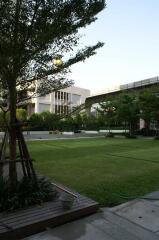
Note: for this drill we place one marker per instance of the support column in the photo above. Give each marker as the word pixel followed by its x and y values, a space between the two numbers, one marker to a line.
pixel 37 105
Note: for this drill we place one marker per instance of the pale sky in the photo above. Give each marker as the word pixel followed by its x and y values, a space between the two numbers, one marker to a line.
pixel 130 30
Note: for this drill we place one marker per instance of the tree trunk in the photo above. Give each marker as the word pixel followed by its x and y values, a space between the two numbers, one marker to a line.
pixel 130 128
pixel 12 138
pixel 147 125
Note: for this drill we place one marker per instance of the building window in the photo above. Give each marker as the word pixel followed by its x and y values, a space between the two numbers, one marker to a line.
pixel 62 109
pixel 44 107
pixel 55 108
pixel 65 109
pixel 59 95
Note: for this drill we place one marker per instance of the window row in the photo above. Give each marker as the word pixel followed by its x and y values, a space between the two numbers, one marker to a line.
pixel 60 109
pixel 61 95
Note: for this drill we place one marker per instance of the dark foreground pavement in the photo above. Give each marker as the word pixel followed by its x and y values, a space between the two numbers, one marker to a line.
pixel 135 220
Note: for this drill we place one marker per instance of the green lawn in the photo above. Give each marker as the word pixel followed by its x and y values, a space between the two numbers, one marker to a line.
pixel 102 169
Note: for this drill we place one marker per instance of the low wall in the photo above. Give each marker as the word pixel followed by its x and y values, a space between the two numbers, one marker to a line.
pixel 68 133
pixel 72 133
pixel 91 132
pixel 114 131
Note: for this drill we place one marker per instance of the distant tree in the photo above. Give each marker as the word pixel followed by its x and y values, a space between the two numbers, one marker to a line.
pixel 67 124
pixel 127 110
pixel 33 33
pixel 107 111
pixel 149 106
pixel 77 122
pixel 50 120
pixel 35 122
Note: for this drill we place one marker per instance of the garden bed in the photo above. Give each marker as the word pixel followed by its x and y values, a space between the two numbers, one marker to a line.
pixel 22 223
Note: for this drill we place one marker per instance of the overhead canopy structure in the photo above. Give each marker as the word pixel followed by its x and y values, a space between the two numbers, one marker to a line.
pixel 150 83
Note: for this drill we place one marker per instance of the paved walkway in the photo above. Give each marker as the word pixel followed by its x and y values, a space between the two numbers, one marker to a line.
pixel 135 220
pixel 42 136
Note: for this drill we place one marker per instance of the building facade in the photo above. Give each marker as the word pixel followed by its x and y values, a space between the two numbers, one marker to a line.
pixel 60 102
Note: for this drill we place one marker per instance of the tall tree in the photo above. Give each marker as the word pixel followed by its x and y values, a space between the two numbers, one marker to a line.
pixel 149 105
pixel 32 34
pixel 127 110
pixel 107 111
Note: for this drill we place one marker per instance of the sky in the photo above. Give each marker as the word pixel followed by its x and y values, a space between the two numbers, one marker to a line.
pixel 130 31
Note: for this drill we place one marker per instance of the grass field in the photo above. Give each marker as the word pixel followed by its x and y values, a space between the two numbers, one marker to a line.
pixel 103 169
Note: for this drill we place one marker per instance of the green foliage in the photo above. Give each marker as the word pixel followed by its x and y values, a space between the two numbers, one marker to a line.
pixel 44 121
pixel 21 114
pixel 128 110
pixel 149 105
pixel 2 121
pixel 36 122
pixel 90 122
pixel 50 120
pixel 129 135
pixel 33 34
pixel 107 111
pixel 156 138
pixel 28 192
pixel 109 135
pixel 78 122
pixel 66 124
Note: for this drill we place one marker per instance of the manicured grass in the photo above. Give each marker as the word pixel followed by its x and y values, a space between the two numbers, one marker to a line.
pixel 102 169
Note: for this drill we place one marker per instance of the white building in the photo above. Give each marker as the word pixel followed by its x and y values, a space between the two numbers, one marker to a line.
pixel 60 102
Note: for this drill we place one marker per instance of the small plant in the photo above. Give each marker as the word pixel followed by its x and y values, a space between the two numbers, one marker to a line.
pixel 109 135
pixel 56 132
pixel 128 135
pixel 27 193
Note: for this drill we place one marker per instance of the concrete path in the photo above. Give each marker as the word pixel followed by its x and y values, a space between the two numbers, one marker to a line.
pixel 60 136
pixel 135 220
pixel 41 137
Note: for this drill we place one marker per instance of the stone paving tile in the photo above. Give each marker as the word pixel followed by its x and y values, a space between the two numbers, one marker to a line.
pixel 143 212
pixel 80 229
pixel 129 226
pixel 135 220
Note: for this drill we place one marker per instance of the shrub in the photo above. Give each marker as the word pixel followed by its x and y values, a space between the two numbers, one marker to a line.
pixel 36 122
pixel 146 132
pixel 21 114
pixel 28 192
pixel 109 135
pixel 128 135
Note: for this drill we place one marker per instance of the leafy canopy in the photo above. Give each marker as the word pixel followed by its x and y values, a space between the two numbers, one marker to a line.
pixel 35 32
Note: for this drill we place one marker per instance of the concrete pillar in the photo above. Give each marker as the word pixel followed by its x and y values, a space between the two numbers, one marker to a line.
pixel 51 102
pixel 142 123
pixel 37 105
pixel 71 101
